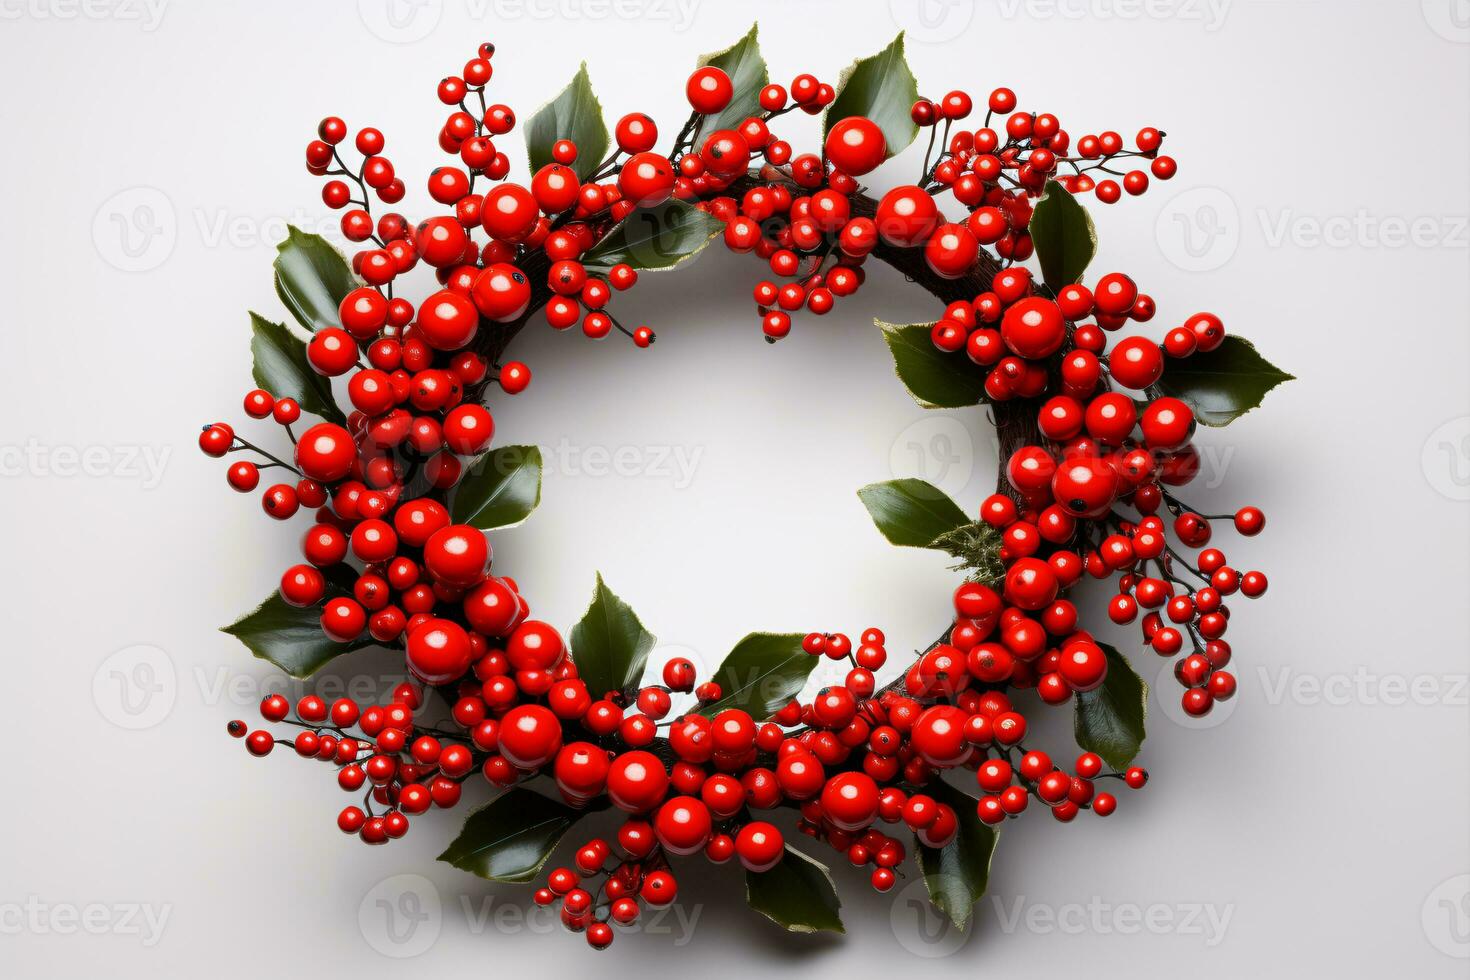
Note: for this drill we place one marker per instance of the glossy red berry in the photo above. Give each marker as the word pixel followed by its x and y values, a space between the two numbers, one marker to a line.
pixel 855 145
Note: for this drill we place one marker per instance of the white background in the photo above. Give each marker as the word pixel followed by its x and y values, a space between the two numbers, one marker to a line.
pixel 150 158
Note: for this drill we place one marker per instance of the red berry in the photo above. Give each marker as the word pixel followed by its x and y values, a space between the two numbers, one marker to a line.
pixel 709 90
pixel 637 781
pixel 439 651
pixel 856 146
pixel 457 555
pixel 530 736
pixel 906 216
pixel 760 846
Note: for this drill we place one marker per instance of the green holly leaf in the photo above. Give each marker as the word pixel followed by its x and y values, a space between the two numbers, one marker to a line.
pixel 289 636
pixel 312 279
pixel 883 89
pixel 912 512
pixel 1223 384
pixel 797 894
pixel 958 873
pixel 280 367
pixel 610 644
pixel 1109 719
pixel 574 115
pixel 934 378
pixel 499 489
pixel 655 239
pixel 762 673
pixel 742 61
pixel 510 838
pixel 1063 235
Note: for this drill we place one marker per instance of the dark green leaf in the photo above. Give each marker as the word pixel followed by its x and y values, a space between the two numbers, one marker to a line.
pixel 1223 384
pixel 501 488
pixel 796 894
pixel 958 872
pixel 289 637
pixel 935 378
pixel 610 644
pixel 762 673
pixel 1109 719
pixel 1062 232
pixel 911 512
pixel 312 278
pixel 655 239
pixel 510 838
pixel 881 88
pixel 280 368
pixel 742 61
pixel 574 115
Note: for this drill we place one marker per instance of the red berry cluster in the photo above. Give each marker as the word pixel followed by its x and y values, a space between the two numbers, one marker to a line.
pixel 384 559
pixel 1099 448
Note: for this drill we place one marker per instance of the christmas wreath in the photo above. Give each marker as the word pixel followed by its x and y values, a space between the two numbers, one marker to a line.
pixel 404 484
